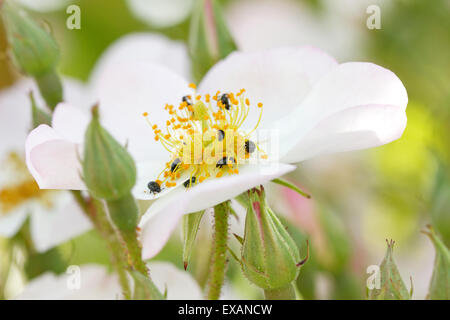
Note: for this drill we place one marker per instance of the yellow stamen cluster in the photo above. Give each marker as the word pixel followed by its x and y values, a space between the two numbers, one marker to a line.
pixel 204 138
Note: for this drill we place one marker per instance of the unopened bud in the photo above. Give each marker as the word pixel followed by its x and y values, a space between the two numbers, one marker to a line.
pixel 108 169
pixel 270 256
pixel 209 37
pixel 33 49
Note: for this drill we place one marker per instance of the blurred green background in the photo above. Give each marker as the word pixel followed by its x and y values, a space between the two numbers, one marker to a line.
pixel 387 192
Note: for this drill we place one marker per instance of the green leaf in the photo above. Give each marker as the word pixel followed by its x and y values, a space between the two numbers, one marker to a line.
pixel 392 286
pixel 440 280
pixel 144 288
pixel 209 38
pixel 191 223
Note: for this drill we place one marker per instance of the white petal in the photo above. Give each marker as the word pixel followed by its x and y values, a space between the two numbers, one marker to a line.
pixel 70 122
pixel 55 225
pixel 279 78
pixel 347 86
pixel 129 90
pixel 10 222
pixel 163 215
pixel 352 129
pixel 95 284
pixel 161 13
pixel 15 110
pixel 179 284
pixel 149 171
pixel 15 116
pixel 146 48
pixel 52 160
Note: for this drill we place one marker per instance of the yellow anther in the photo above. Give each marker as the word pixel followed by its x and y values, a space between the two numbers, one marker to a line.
pixel 192 86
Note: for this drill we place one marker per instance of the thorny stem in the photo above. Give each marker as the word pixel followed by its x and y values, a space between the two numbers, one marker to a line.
pixel 95 211
pixel 219 255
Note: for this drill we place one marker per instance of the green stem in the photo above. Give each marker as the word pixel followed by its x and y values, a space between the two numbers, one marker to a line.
pixel 219 256
pixel 50 87
pixel 286 293
pixel 95 211
pixel 124 213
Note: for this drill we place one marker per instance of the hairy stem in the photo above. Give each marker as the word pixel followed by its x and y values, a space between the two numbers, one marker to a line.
pixel 286 293
pixel 95 210
pixel 124 213
pixel 219 255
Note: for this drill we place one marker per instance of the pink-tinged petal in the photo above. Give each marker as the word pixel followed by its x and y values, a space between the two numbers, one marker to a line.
pixel 347 86
pixel 162 216
pixel 10 222
pixel 52 160
pixel 180 285
pixel 61 222
pixel 356 128
pixel 279 78
pixel 146 48
pixel 70 122
pixel 126 92
pixel 94 280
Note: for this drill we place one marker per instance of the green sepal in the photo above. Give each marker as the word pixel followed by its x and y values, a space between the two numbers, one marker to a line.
pixel 269 254
pixel 291 186
pixel 440 280
pixel 109 171
pixel 392 286
pixel 191 223
pixel 144 288
pixel 209 37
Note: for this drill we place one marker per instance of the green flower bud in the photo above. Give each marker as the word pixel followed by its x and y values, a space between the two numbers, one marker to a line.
pixel 108 169
pixel 209 38
pixel 391 286
pixel 33 49
pixel 270 257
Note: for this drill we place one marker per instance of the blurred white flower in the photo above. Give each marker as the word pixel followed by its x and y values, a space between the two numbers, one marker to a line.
pixel 97 284
pixel 161 13
pixel 337 27
pixel 54 215
pixel 318 106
